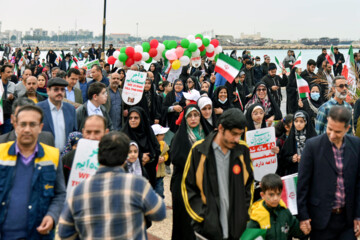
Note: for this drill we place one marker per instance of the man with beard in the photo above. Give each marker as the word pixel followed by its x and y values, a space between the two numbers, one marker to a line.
pixel 340 88
pixel 258 71
pixel 114 104
pixel 309 73
pixel 20 88
pixel 217 184
pixel 31 85
pixel 326 75
pixel 321 58
pixel 339 60
pixel 275 82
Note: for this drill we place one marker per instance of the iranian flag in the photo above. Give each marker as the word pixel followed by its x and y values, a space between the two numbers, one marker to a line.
pixel 16 70
pixel 73 64
pixel 167 67
pixel 227 67
pixel 298 60
pixel 279 63
pixel 21 60
pixel 349 71
pixel 75 59
pixel 303 86
pixel 330 57
pixel 288 194
pixel 253 234
pixel 238 95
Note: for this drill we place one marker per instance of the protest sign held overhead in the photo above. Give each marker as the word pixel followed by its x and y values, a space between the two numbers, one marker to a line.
pixel 134 87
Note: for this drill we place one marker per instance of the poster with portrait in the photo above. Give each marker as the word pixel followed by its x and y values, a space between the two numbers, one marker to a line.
pixel 260 143
pixel 85 163
pixel 134 87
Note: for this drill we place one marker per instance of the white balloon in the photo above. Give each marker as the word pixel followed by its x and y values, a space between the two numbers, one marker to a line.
pixel 218 50
pixel 138 48
pixel 184 60
pixel 158 56
pixel 198 42
pixel 145 56
pixel 161 47
pixel 191 38
pixel 118 64
pixel 116 54
pixel 212 58
pixel 196 53
pixel 210 48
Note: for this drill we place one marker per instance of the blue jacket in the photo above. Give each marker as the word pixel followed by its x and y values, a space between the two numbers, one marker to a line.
pixel 220 80
pixel 48 186
pixel 69 117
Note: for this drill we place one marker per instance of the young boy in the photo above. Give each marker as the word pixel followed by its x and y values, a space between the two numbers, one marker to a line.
pixel 271 213
pixel 159 132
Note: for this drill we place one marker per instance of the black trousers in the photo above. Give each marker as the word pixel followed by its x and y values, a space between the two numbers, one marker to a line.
pixel 337 229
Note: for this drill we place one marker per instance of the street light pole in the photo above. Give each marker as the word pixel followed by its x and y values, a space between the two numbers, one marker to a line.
pixel 103 37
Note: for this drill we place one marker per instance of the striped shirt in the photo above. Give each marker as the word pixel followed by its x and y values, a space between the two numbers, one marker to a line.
pixel 340 187
pixel 110 205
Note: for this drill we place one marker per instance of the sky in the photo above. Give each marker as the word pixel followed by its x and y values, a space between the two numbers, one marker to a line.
pixel 277 19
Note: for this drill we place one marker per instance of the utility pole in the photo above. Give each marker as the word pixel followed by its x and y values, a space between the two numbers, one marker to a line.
pixel 104 28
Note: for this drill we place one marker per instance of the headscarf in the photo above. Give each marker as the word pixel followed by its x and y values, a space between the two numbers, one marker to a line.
pixel 122 81
pixel 73 139
pixel 250 121
pixel 178 95
pixel 196 133
pixel 269 105
pixel 181 143
pixel 196 84
pixel 217 103
pixel 209 124
pixel 135 167
pixel 314 105
pixel 294 144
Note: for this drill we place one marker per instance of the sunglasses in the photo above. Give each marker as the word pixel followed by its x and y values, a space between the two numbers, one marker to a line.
pixel 342 86
pixel 261 90
pixel 57 89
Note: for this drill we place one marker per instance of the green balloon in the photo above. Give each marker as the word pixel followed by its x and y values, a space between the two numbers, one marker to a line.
pixel 192 47
pixel 166 43
pixel 185 43
pixel 123 57
pixel 187 53
pixel 163 53
pixel 216 57
pixel 172 44
pixel 206 42
pixel 203 52
pixel 122 50
pixel 199 35
pixel 149 60
pixel 146 46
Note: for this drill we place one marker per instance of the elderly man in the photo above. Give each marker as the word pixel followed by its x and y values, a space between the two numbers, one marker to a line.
pixel 111 204
pixel 31 85
pixel 114 104
pixel 33 193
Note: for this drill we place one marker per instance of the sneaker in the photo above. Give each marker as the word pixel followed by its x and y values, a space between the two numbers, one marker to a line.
pixel 168 170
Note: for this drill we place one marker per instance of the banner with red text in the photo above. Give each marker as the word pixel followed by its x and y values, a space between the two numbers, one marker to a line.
pixel 134 87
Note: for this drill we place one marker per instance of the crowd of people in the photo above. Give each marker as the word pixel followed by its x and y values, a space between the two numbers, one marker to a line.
pixel 197 125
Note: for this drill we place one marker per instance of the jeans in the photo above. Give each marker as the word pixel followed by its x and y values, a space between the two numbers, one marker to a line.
pixel 159 186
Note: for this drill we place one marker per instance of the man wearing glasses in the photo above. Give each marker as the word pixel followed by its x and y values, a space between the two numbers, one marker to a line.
pixel 60 117
pixel 340 88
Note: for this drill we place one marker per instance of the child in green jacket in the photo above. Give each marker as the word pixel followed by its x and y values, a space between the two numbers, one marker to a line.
pixel 271 213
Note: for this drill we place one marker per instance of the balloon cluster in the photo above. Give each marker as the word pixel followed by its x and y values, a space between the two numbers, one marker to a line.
pixel 177 55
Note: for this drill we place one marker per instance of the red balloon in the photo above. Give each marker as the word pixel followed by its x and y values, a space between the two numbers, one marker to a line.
pixel 130 52
pixel 129 62
pixel 215 43
pixel 154 43
pixel 202 48
pixel 153 52
pixel 137 56
pixel 198 38
pixel 111 60
pixel 210 54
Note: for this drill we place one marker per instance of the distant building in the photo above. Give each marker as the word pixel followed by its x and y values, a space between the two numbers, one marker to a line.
pixel 225 39
pixel 119 36
pixel 39 32
pixel 11 36
pixel 251 36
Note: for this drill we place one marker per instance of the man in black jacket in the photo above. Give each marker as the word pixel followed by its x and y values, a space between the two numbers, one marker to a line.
pixel 339 60
pixel 249 74
pixel 217 185
pixel 92 52
pixel 265 65
pixel 274 82
pixel 309 73
pixel 321 58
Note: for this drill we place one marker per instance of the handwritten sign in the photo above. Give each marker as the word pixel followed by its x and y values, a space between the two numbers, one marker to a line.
pixel 134 87
pixel 260 142
pixel 85 162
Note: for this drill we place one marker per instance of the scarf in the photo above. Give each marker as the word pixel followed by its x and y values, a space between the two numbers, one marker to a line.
pixel 135 167
pixel 300 138
pixel 195 134
pixel 266 103
pixel 178 96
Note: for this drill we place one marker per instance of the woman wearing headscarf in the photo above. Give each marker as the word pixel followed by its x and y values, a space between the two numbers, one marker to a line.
pixel 157 76
pixel 122 74
pixel 185 73
pixel 292 93
pixel 221 100
pixel 311 105
pixel 192 83
pixel 255 117
pixel 173 106
pixel 207 112
pixel 300 132
pixel 190 131
pixel 262 95
pixel 238 89
pixel 42 84
pixel 138 129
